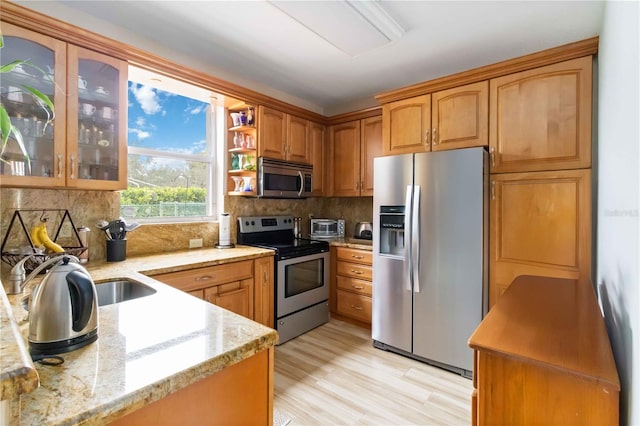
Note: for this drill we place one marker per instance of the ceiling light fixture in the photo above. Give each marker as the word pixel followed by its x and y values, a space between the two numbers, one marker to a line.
pixel 352 26
pixel 378 17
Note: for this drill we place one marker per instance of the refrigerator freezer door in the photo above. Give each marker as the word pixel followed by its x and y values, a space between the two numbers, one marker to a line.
pixel 448 305
pixel 392 295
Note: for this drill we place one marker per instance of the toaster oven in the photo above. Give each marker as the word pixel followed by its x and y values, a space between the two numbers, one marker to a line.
pixel 327 228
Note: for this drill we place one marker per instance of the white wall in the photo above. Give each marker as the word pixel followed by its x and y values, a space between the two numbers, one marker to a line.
pixel 618 177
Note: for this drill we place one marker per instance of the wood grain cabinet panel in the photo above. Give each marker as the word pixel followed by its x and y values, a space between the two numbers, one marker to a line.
pixel 282 136
pixel 353 146
pixel 272 131
pixel 406 126
pixel 264 291
pixel 345 141
pixel 543 357
pixel 370 148
pixel 297 146
pixel 540 224
pixel 541 119
pixel 351 284
pixel 460 117
pixel 317 148
pixel 231 286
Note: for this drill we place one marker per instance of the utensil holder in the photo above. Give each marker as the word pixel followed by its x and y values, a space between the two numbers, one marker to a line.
pixel 116 250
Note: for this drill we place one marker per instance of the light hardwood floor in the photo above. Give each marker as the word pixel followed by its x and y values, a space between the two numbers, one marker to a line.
pixel 334 376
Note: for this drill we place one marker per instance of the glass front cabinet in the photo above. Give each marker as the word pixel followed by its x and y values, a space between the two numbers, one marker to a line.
pixel 85 145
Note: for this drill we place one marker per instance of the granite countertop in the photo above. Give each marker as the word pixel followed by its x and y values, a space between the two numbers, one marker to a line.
pixel 355 243
pixel 147 348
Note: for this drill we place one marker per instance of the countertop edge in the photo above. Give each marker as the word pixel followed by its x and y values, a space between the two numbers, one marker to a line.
pixel 23 377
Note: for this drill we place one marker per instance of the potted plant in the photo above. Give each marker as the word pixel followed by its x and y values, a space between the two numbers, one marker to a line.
pixel 7 130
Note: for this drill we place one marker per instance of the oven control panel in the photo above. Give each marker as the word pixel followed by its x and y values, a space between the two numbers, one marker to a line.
pixel 249 224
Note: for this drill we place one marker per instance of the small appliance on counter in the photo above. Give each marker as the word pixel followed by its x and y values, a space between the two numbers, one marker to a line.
pixel 63 308
pixel 326 229
pixel 224 231
pixel 363 231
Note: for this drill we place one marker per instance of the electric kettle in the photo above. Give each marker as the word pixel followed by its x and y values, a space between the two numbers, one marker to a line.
pixel 63 310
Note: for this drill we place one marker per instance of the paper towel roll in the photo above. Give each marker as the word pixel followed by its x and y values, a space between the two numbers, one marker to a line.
pixel 224 232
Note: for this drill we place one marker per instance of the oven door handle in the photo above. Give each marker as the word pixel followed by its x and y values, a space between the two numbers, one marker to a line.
pixel 301 183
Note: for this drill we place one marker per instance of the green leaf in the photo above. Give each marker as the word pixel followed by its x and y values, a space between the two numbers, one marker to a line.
pixel 5 125
pixel 18 136
pixel 1 41
pixel 38 94
pixel 11 65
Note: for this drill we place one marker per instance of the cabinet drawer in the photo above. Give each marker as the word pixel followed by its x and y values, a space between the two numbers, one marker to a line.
pixel 354 255
pixel 194 279
pixel 354 285
pixel 234 297
pixel 354 270
pixel 354 306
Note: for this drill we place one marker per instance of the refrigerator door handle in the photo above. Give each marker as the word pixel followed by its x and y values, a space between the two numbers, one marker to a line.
pixel 415 238
pixel 408 261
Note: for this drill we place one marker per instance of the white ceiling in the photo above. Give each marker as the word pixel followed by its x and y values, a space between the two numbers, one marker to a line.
pixel 258 42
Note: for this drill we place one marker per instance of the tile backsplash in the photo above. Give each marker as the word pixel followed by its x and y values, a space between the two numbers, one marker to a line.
pixel 87 207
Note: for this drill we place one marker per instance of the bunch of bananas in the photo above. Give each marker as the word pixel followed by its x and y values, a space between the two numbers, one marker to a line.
pixel 40 237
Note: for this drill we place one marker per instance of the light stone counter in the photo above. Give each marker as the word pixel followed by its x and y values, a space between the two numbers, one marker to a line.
pixel 355 243
pixel 147 348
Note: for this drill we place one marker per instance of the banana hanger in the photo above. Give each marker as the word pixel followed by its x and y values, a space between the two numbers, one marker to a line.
pixel 18 218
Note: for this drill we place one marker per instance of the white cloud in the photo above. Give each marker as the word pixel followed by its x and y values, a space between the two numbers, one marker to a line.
pixel 195 110
pixel 147 97
pixel 141 134
pixel 141 122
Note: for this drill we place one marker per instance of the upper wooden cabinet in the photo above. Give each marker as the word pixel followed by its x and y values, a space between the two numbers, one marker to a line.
pixel 297 145
pixel 540 224
pixel 460 117
pixel 370 148
pixel 282 136
pixel 317 150
pixel 86 145
pixel 272 131
pixel 406 126
pixel 354 145
pixel 541 118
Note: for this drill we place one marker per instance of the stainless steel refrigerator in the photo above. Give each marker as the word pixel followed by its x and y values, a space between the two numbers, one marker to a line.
pixel 430 254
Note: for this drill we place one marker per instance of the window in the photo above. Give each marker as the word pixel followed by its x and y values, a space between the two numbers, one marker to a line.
pixel 172 150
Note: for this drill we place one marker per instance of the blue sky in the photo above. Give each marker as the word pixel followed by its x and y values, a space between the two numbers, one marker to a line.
pixel 165 121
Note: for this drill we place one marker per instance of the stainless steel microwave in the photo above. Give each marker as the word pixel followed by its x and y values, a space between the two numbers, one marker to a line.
pixel 284 179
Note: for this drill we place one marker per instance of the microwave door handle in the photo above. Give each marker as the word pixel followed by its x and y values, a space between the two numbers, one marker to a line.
pixel 301 183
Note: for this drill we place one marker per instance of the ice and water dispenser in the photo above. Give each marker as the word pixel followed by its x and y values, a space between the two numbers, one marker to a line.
pixel 392 230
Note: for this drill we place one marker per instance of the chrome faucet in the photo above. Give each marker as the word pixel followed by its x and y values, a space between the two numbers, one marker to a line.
pixel 17 277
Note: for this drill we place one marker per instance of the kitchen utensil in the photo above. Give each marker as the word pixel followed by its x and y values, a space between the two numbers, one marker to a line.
pixel 116 229
pixel 83 235
pixel 363 230
pixel 63 310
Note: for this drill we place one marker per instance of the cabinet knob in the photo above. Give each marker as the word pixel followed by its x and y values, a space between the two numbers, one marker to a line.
pixel 426 137
pixel 357 308
pixel 357 257
pixel 435 136
pixel 493 189
pixel 356 272
pixel 357 287
pixel 492 154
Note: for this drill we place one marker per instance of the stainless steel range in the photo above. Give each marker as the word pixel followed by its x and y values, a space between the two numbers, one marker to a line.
pixel 301 273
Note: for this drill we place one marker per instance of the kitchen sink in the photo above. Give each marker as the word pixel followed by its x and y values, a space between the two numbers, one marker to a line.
pixel 117 291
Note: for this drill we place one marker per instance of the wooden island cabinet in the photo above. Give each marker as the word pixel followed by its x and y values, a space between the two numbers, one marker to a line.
pixel 542 356
pixel 244 287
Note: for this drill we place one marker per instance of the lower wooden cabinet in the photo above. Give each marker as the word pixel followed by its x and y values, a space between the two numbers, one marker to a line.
pixel 245 287
pixel 351 280
pixel 241 394
pixel 542 356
